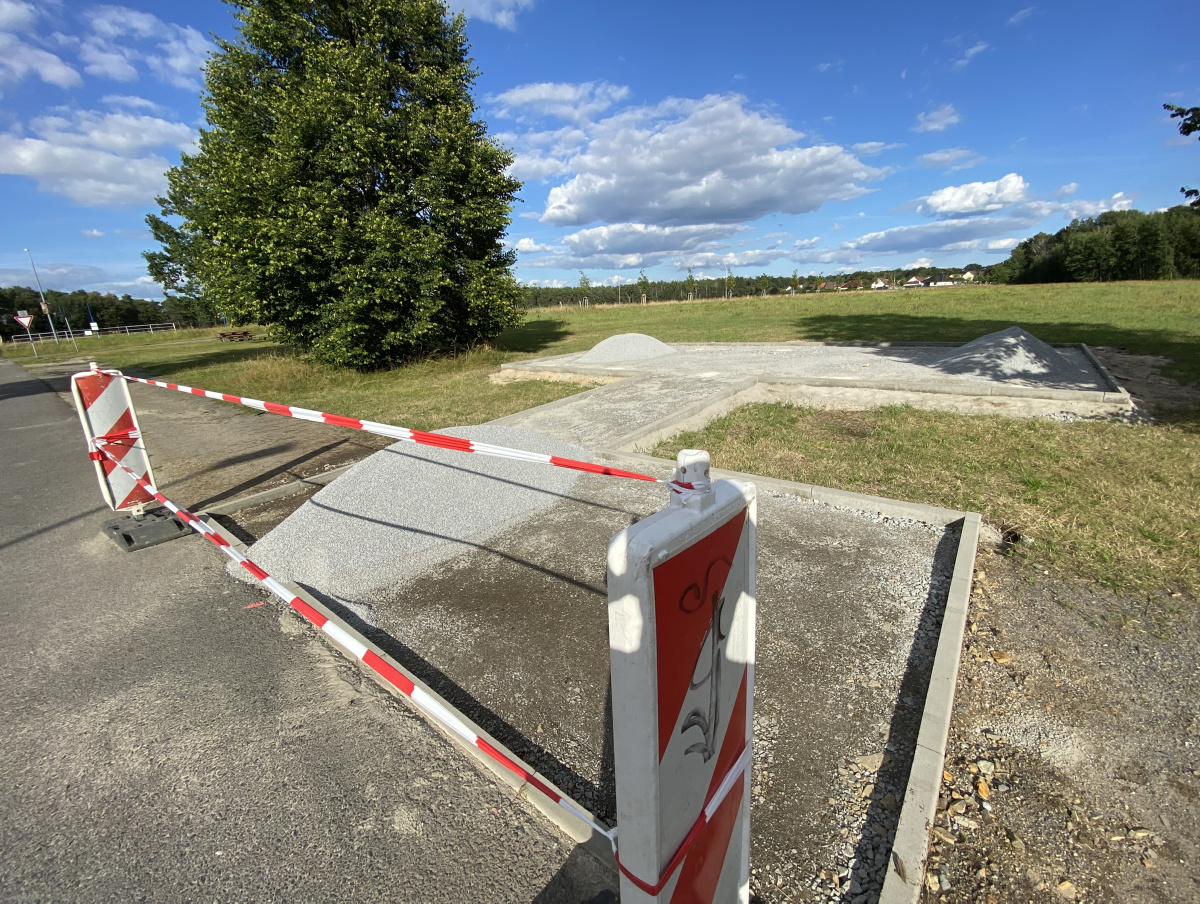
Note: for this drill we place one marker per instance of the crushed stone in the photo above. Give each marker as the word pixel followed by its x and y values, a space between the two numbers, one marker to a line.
pixel 1012 354
pixel 407 508
pixel 626 347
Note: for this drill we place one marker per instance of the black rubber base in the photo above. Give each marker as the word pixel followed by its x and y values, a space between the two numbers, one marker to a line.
pixel 148 529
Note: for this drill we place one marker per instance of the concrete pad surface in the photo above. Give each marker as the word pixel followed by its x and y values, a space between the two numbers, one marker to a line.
pixel 514 634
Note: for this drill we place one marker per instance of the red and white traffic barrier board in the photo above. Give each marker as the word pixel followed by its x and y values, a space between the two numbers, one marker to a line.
pixel 107 415
pixel 681 640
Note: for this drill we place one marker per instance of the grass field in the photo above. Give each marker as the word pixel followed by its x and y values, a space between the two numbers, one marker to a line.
pixel 1110 503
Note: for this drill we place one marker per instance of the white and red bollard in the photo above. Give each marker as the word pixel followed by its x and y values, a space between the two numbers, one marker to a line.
pixel 108 419
pixel 681 640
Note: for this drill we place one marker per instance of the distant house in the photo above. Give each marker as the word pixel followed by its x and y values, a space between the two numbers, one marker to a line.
pixel 969 276
pixel 822 286
pixel 915 282
pixel 943 282
pixel 880 283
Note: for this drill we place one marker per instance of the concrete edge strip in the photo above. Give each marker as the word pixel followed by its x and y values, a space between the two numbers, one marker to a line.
pixel 279 492
pixel 710 407
pixel 520 416
pixel 904 881
pixel 1113 385
pixel 577 830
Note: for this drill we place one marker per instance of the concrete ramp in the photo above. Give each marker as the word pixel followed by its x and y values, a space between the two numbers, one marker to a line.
pixel 408 508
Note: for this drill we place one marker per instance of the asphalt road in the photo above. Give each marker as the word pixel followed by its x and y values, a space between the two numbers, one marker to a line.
pixel 163 742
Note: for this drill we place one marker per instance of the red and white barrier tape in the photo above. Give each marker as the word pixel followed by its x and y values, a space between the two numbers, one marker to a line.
pixel 426 703
pixel 420 437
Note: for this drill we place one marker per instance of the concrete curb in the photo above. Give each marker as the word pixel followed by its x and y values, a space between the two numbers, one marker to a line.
pixel 910 850
pixel 1108 377
pixel 701 412
pixel 548 406
pixel 579 831
pixel 279 492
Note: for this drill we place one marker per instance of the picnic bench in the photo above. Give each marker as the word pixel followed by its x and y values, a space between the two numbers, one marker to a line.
pixel 241 336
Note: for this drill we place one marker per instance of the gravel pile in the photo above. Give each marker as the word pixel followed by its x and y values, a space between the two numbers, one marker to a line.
pixel 407 508
pixel 626 347
pixel 1012 354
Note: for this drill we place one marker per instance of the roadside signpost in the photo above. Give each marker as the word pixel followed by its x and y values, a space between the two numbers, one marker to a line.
pixel 24 318
pixel 681 614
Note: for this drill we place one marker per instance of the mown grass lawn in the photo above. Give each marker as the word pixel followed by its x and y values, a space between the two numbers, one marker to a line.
pixel 1110 503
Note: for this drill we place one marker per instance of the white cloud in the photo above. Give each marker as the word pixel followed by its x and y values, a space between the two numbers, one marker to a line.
pixel 570 102
pixel 502 13
pixel 919 264
pixel 1002 245
pixel 937 235
pixel 700 161
pixel 623 246
pixel 874 148
pixel 91 233
pixel 976 197
pixel 952 159
pixel 1020 16
pixel 65 277
pixel 970 53
pixel 111 51
pixel 95 159
pixel 1067 190
pixel 16 15
pixel 543 154
pixel 937 120
pixel 19 59
pixel 132 102
pixel 832 66
pixel 804 244
pixel 529 246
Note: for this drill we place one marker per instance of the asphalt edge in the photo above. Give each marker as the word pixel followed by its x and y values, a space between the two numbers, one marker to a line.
pixel 288 489
pixel 577 830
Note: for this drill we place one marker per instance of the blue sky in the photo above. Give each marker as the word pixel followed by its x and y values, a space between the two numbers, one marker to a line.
pixel 765 137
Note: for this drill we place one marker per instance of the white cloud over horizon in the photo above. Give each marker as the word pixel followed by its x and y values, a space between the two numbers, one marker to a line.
pixel 501 13
pixel 95 159
pixel 658 164
pixel 976 197
pixel 937 120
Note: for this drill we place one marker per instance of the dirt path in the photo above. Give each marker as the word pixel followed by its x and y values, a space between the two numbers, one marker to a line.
pixel 1077 708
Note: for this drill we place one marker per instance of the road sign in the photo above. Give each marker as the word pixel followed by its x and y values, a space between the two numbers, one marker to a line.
pixel 681 643
pixel 24 319
pixel 22 313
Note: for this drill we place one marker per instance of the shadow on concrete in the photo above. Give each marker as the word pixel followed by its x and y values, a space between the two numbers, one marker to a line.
pixel 905 722
pixel 514 483
pixel 1182 348
pixel 27 386
pixel 265 476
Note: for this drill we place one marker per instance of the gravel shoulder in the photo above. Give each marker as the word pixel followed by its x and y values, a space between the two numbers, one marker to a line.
pixel 1077 709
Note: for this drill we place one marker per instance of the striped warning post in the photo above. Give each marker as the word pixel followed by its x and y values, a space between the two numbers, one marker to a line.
pixel 105 410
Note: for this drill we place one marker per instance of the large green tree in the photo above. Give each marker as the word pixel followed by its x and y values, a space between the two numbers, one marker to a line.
pixel 344 191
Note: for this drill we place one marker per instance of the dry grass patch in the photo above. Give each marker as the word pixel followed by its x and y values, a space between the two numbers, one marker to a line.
pixel 1115 504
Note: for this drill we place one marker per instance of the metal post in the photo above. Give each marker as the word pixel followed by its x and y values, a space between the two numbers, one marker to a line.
pixel 70 332
pixel 29 335
pixel 45 307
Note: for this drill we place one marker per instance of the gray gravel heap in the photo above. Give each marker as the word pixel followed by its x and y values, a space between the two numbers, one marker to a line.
pixel 626 347
pixel 1012 354
pixel 408 508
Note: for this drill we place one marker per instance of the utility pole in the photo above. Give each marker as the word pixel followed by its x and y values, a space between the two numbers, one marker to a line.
pixel 45 307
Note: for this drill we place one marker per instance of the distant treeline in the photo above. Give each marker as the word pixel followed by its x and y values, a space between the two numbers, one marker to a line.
pixel 106 309
pixel 1118 244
